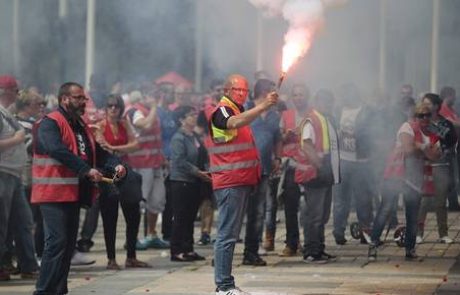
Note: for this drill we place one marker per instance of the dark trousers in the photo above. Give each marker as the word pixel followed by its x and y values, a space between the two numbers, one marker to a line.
pixel 89 226
pixel 318 209
pixel 291 197
pixel 167 215
pixel 39 235
pixel 60 221
pixel 185 203
pixel 255 217
pixel 109 211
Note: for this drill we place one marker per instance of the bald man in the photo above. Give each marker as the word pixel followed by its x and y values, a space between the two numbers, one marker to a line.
pixel 235 170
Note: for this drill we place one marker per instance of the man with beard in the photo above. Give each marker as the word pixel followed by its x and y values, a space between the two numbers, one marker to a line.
pixel 65 158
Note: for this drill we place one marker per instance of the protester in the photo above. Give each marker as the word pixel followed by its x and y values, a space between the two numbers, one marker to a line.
pixel 148 162
pixel 267 136
pixel 64 169
pixel 290 122
pixel 15 214
pixel 187 171
pixel 442 170
pixel 405 172
pixel 234 164
pixel 317 169
pixel 116 135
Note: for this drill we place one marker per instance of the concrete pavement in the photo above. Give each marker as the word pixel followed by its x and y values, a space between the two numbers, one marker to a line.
pixel 436 272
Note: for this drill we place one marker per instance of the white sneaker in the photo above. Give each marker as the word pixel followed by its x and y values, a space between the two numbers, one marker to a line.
pixel 79 258
pixel 236 291
pixel 418 240
pixel 445 240
pixel 262 251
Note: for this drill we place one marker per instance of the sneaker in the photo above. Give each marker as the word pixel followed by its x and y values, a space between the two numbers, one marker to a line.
pixel 365 237
pixel 418 240
pixel 79 258
pixel 341 241
pixel 315 259
pixel 84 246
pixel 262 251
pixel 372 253
pixel 194 256
pixel 329 257
pixel 140 246
pixel 411 255
pixel 445 240
pixel 254 260
pixel 205 239
pixel 288 252
pixel 235 291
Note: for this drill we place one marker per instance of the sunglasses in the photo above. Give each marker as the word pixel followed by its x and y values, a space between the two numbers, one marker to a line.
pixel 424 116
pixel 111 105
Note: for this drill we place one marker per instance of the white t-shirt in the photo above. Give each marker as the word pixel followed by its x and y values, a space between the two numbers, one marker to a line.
pixel 347 134
pixel 308 132
pixel 407 129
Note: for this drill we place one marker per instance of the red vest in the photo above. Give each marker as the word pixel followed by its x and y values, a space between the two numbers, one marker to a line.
pixel 233 163
pixel 292 145
pixel 395 169
pixel 150 153
pixel 304 170
pixel 51 180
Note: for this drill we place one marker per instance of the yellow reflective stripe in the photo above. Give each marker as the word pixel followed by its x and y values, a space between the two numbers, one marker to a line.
pixel 221 135
pixel 234 166
pixel 325 131
pixel 146 138
pixel 46 162
pixel 228 148
pixel 55 180
pixel 145 152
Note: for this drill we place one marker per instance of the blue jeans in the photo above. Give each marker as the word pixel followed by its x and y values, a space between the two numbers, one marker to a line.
pixel 21 227
pixel 271 206
pixel 390 193
pixel 231 203
pixel 255 217
pixel 356 182
pixel 60 221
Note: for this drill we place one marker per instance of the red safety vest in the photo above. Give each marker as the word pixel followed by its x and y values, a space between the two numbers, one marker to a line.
pixel 304 170
pixel 235 162
pixel 51 180
pixel 395 168
pixel 150 154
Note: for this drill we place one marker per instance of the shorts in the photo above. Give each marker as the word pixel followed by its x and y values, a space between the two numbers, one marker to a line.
pixel 153 189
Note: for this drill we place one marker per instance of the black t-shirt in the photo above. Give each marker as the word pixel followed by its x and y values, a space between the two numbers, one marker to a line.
pixel 446 132
pixel 221 116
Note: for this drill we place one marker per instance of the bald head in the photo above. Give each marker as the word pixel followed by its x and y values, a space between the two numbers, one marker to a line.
pixel 236 87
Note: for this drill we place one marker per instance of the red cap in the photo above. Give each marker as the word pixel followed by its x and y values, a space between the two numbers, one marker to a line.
pixel 7 82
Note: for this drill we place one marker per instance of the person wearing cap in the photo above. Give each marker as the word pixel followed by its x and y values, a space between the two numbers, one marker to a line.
pixel 267 136
pixel 12 198
pixel 235 170
pixel 65 158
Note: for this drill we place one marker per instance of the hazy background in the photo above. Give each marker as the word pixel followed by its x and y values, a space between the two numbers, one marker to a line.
pixel 143 39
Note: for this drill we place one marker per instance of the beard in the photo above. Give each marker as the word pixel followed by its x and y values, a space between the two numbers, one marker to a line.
pixel 77 110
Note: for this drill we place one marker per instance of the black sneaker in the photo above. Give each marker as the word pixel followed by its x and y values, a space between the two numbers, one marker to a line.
pixel 254 260
pixel 84 246
pixel 194 256
pixel 372 253
pixel 205 239
pixel 411 255
pixel 341 241
pixel 329 257
pixel 315 259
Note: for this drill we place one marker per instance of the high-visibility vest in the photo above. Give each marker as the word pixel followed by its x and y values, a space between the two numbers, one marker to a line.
pixel 292 145
pixel 51 180
pixel 304 170
pixel 234 159
pixel 150 153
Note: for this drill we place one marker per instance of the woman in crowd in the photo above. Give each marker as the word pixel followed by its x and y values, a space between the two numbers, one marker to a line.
pixel 188 158
pixel 442 170
pixel 405 172
pixel 116 135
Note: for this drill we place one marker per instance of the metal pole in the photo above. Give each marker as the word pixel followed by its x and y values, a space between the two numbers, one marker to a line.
pixel 383 45
pixel 90 28
pixel 198 45
pixel 435 47
pixel 260 38
pixel 16 49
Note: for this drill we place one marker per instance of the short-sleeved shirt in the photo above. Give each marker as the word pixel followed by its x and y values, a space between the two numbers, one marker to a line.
pixel 221 116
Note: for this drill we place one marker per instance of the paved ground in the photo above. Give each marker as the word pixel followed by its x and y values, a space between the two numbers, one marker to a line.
pixel 436 272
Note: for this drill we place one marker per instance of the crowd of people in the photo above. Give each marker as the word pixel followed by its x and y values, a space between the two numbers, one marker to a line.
pixel 159 149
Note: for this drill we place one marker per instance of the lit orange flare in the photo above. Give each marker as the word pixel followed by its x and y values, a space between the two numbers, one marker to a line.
pixel 297 44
